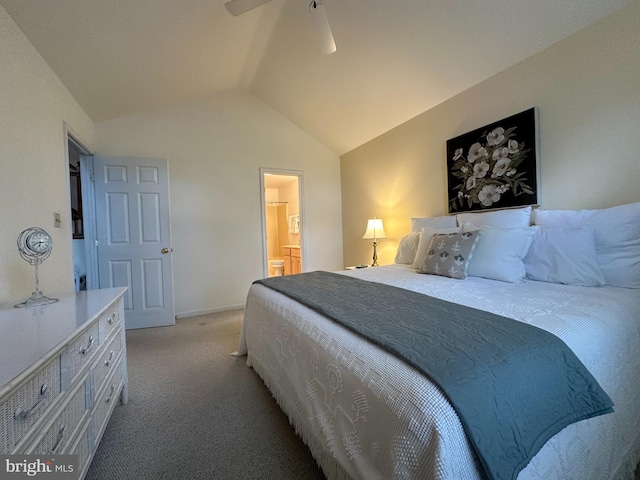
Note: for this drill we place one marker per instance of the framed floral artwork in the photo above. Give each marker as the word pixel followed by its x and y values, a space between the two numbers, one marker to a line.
pixel 496 166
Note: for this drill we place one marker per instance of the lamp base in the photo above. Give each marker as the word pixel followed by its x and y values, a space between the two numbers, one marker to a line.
pixel 37 299
pixel 375 254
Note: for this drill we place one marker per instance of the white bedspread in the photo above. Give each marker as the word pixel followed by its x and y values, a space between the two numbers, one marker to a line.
pixel 380 419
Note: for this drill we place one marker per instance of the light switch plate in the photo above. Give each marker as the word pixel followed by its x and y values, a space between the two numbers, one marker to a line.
pixel 56 220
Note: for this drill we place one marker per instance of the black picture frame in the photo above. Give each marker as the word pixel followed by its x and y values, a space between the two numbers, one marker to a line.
pixel 496 166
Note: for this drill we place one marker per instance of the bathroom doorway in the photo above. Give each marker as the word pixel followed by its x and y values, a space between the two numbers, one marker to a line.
pixel 282 222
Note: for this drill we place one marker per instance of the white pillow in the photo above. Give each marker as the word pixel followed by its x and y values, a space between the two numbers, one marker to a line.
pixel 564 255
pixel 447 221
pixel 407 248
pixel 617 237
pixel 500 252
pixel 510 218
pixel 425 239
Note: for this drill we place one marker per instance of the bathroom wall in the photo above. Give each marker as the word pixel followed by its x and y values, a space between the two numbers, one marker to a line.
pixel 271 219
pixel 275 224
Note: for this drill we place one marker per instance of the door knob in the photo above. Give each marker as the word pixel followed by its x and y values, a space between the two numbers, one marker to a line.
pixel 165 250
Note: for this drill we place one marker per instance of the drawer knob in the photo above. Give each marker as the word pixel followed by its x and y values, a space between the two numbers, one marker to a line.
pixel 23 413
pixel 107 362
pixel 84 350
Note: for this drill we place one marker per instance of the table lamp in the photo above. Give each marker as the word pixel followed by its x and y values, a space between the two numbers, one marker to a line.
pixel 374 232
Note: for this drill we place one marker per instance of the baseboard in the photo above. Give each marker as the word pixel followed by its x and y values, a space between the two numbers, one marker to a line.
pixel 195 313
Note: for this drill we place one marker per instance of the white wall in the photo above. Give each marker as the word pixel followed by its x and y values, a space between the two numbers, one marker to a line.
pixel 587 89
pixel 34 179
pixel 215 148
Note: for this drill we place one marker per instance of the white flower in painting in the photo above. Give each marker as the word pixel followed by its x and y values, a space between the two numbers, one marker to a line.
pixel 511 172
pixel 501 167
pixel 480 169
pixel 496 137
pixel 458 153
pixel 471 183
pixel 476 151
pixel 488 195
pixel 500 153
pixel 513 146
pixel 460 194
pixel 502 188
pixel 464 169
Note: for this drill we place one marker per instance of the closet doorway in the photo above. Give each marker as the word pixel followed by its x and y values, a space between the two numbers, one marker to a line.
pixel 282 222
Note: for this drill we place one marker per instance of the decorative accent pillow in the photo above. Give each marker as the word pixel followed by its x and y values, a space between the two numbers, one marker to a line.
pixel 617 237
pixel 448 254
pixel 564 255
pixel 510 218
pixel 425 239
pixel 500 252
pixel 446 221
pixel 407 248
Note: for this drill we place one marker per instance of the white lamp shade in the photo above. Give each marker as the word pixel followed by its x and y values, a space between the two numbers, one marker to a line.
pixel 374 230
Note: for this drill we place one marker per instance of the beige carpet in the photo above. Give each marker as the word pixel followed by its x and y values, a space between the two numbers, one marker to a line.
pixel 195 412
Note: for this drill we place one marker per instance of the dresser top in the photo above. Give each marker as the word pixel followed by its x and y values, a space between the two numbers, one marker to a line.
pixel 29 334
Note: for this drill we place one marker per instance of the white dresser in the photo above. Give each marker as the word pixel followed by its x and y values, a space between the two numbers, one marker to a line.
pixel 62 368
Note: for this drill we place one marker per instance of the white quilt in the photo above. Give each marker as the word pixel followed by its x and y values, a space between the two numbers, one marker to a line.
pixel 366 415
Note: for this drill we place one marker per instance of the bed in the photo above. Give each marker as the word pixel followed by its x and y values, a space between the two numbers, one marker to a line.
pixel 366 414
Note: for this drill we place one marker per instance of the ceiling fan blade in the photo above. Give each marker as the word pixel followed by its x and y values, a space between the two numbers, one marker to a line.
pixel 238 7
pixel 320 24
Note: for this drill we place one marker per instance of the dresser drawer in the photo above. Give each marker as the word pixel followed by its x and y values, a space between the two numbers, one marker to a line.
pixel 56 438
pixel 82 448
pixel 82 349
pixel 107 362
pixel 110 320
pixel 20 411
pixel 105 402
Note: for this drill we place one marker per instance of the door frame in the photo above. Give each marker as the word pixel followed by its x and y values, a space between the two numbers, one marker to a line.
pixel 263 214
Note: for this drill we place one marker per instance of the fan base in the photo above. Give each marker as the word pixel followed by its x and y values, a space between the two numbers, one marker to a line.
pixel 36 300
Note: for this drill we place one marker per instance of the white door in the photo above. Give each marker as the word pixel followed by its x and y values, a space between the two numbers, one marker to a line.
pixel 134 236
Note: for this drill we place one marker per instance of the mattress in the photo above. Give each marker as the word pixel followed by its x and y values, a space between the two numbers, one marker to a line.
pixel 365 414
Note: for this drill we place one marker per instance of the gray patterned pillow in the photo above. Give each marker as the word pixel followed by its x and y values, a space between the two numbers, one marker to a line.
pixel 448 254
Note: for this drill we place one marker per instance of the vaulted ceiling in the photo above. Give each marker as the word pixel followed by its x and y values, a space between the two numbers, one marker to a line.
pixel 395 58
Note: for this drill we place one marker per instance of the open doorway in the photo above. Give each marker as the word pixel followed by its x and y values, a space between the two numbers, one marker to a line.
pixel 81 213
pixel 282 222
